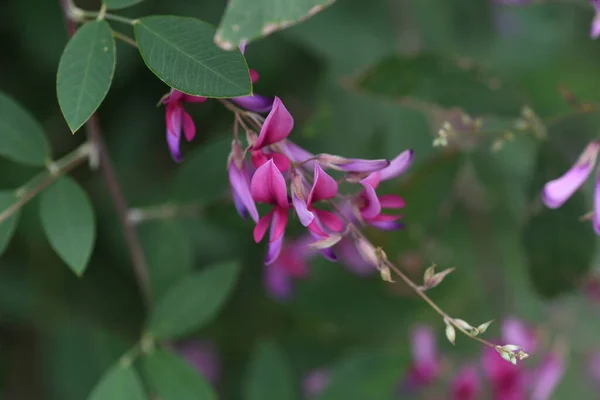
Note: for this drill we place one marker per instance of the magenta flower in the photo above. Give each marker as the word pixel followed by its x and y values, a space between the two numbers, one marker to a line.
pixel 547 377
pixel 291 264
pixel 595 28
pixel 177 118
pixel 239 179
pixel 315 382
pixel 426 366
pixel 558 191
pixel 255 103
pixel 268 186
pixel 466 384
pixel 506 380
pixel 370 205
pixel 277 126
pixel 203 356
pixel 324 188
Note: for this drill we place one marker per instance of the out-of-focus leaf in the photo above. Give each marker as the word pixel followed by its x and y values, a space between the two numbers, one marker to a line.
pixel 117 4
pixel 169 254
pixel 365 375
pixel 7 227
pixel 203 175
pixel 439 81
pixel 429 188
pixel 181 52
pixel 244 22
pixel 120 382
pixel 22 138
pixel 269 376
pixel 85 72
pixel 68 220
pixel 193 301
pixel 173 378
pixel 558 247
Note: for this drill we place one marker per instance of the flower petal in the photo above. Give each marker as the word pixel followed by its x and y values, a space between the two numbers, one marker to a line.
pixel 173 143
pixel 548 377
pixel 397 166
pixel 596 219
pixel 282 162
pixel 268 185
pixel 352 258
pixel 241 188
pixel 516 332
pixel 277 126
pixel 254 75
pixel 239 205
pixel 278 224
pixel 278 283
pixel 423 344
pixel 304 215
pixel 173 115
pixel 372 207
pixel 188 98
pixel 255 103
pixel 330 220
pixel 558 191
pixel 273 250
pixel 391 201
pixel 595 28
pixel 360 165
pixel 261 227
pixel 466 385
pixel 324 186
pixel 296 153
pixel 386 222
pixel 189 128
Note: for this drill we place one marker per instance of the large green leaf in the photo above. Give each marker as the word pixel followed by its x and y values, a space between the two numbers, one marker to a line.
pixel 245 21
pixel 269 375
pixel 117 4
pixel 7 227
pixel 439 81
pixel 173 378
pixel 68 221
pixel 193 301
pixel 22 138
pixel 119 383
pixel 169 254
pixel 85 72
pixel 181 52
pixel 558 247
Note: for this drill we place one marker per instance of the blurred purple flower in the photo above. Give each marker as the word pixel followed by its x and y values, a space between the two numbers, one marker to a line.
pixel 594 366
pixel 239 179
pixel 315 382
pixel 291 264
pixel 558 191
pixel 426 365
pixel 516 332
pixel 547 377
pixel 178 119
pixel 203 356
pixel 466 384
pixel 595 28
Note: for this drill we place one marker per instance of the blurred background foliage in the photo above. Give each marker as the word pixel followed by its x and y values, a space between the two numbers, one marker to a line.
pixel 350 78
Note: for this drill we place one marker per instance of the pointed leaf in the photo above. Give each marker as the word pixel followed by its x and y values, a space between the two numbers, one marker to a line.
pixel 439 81
pixel 22 138
pixel 118 4
pixel 244 22
pixel 181 52
pixel 269 376
pixel 85 72
pixel 193 301
pixel 68 221
pixel 7 227
pixel 173 378
pixel 120 382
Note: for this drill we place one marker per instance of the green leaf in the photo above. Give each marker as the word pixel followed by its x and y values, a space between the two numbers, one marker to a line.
pixel 558 247
pixel 193 301
pixel 7 227
pixel 119 383
pixel 438 81
pixel 118 4
pixel 269 375
pixel 169 253
pixel 173 378
pixel 22 138
pixel 68 220
pixel 181 52
pixel 244 22
pixel 85 72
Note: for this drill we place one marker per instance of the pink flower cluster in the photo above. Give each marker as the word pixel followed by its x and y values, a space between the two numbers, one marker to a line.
pixel 288 178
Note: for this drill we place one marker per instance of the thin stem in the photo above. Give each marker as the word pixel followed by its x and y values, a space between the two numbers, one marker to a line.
pixel 164 211
pixel 125 39
pixel 109 16
pixel 44 179
pixel 140 267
